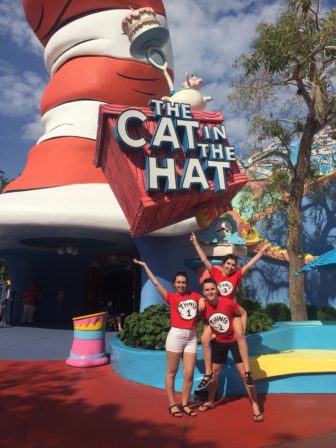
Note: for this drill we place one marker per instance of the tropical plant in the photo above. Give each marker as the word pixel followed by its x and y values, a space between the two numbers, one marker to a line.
pixel 259 321
pixel 244 299
pixel 249 305
pixel 199 330
pixel 3 180
pixel 287 82
pixel 326 312
pixel 4 271
pixel 311 311
pixel 278 311
pixel 147 329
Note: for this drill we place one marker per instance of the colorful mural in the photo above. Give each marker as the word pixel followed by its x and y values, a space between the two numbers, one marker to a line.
pixel 323 156
pixel 232 233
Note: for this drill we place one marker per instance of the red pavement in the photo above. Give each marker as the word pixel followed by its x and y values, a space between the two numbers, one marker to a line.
pixel 48 404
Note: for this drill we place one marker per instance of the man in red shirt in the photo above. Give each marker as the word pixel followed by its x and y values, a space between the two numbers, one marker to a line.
pixel 30 298
pixel 219 314
pixel 228 279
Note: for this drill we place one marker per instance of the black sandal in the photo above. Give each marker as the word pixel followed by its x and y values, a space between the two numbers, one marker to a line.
pixel 206 380
pixel 257 419
pixel 176 413
pixel 249 379
pixel 191 413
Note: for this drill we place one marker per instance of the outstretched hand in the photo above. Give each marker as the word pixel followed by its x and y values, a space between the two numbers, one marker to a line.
pixel 139 262
pixel 193 238
pixel 265 247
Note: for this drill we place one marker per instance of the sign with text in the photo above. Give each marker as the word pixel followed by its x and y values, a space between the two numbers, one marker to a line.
pixel 164 161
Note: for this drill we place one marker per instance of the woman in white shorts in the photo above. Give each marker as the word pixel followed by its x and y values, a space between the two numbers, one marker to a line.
pixel 181 339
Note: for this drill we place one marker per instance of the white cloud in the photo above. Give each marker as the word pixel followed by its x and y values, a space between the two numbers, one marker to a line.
pixel 236 128
pixel 208 44
pixel 19 93
pixel 215 8
pixel 33 130
pixel 207 37
pixel 13 25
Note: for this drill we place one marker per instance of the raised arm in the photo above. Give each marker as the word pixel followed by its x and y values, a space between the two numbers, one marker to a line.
pixel 200 252
pixel 255 258
pixel 161 289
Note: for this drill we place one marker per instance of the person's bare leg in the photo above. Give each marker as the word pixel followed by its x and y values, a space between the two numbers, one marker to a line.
pixel 205 340
pixel 206 348
pixel 241 340
pixel 118 320
pixel 173 360
pixel 189 361
pixel 209 404
pixel 252 394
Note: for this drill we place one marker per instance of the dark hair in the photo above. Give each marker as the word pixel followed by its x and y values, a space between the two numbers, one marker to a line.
pixel 208 280
pixel 229 257
pixel 183 274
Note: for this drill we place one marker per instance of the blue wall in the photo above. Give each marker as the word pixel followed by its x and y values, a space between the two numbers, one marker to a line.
pixel 269 280
pixel 164 256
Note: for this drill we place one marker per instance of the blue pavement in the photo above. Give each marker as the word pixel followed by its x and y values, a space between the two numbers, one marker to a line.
pixel 37 342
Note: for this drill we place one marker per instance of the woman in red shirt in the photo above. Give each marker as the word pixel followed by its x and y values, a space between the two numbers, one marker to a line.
pixel 182 337
pixel 227 278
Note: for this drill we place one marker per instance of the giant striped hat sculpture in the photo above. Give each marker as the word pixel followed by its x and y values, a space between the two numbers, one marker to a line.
pixel 89 60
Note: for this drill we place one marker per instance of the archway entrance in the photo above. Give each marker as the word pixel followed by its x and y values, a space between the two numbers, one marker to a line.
pixel 116 279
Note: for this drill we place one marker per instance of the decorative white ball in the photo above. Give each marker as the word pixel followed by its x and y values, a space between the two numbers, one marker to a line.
pixel 60 250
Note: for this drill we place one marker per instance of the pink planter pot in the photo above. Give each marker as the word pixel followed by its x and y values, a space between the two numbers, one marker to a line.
pixel 88 347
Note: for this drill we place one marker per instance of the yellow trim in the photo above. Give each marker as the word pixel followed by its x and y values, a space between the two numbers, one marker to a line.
pixel 97 326
pixel 89 315
pixel 292 362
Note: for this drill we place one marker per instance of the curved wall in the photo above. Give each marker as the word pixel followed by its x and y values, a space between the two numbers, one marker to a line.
pixel 148 366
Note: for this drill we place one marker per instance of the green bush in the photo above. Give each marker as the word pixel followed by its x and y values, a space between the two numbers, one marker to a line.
pixel 243 292
pixel 259 321
pixel 250 306
pixel 326 312
pixel 199 330
pixel 278 311
pixel 148 329
pixel 311 312
pixel 243 298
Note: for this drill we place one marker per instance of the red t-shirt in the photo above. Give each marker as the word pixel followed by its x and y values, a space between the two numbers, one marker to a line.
pixel 227 285
pixel 220 318
pixel 30 296
pixel 183 309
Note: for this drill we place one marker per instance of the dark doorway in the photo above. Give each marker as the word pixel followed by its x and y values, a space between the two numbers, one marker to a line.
pixel 114 279
pixel 119 287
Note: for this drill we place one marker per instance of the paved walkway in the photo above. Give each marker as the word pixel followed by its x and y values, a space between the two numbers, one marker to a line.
pixel 46 404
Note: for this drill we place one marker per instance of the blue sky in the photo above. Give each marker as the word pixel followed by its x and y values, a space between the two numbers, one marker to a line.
pixel 207 36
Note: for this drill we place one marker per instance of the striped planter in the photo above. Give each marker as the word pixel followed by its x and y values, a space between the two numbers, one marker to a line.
pixel 88 347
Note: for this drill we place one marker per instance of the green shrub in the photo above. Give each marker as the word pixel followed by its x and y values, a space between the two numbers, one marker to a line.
pixel 250 306
pixel 244 299
pixel 278 311
pixel 311 312
pixel 259 321
pixel 148 329
pixel 326 312
pixel 199 330
pixel 110 324
pixel 243 292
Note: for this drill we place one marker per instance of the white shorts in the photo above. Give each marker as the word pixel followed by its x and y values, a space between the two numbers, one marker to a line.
pixel 181 340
